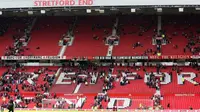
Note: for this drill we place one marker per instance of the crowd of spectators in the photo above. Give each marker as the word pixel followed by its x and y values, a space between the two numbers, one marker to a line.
pixel 14 81
pixel 193 45
pixel 60 104
pixel 21 36
pixel 137 44
pixel 101 97
pixel 141 26
pixel 189 30
pixel 14 76
pixel 153 81
pixel 67 37
pixel 112 40
pixel 83 75
pixel 22 102
pixel 18 75
pixel 105 32
pixel 192 36
pixel 195 66
pixel 90 75
pixel 157 100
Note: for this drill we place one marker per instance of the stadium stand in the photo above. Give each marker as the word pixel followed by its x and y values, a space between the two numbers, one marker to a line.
pixel 133 30
pixel 28 85
pixel 136 34
pixel 66 60
pixel 19 34
pixel 90 32
pixel 47 29
pixel 6 38
pixel 186 30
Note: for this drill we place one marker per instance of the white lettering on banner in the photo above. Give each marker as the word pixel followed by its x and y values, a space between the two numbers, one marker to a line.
pixel 180 57
pixel 61 3
pixel 167 78
pixel 65 78
pixel 30 80
pixel 182 77
pixel 78 104
pixel 170 57
pixel 113 101
pixel 196 57
pixel 32 57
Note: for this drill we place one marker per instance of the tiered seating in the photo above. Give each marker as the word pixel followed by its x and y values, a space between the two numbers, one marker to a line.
pixel 90 88
pixel 3 70
pixel 180 30
pixel 46 34
pixel 17 83
pixel 40 80
pixel 19 26
pixel 131 28
pixel 135 87
pixel 4 25
pixel 187 88
pixel 139 87
pixel 25 73
pixel 90 34
pixel 61 88
pixel 89 37
pixel 181 102
pixel 6 38
pixel 97 87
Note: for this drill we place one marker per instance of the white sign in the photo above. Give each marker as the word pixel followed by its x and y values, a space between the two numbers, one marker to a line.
pixel 63 3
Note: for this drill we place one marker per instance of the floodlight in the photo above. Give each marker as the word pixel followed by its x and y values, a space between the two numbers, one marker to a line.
pixel 133 10
pixel 88 10
pixel 181 9
pixel 43 11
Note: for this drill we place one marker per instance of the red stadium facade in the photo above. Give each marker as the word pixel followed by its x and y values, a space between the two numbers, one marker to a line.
pixel 89 54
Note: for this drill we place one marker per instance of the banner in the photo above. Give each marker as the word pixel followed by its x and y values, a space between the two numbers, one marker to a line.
pixel 195 57
pixel 148 57
pixel 33 57
pixel 72 3
pixel 153 57
pixel 120 57
pixel 171 57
